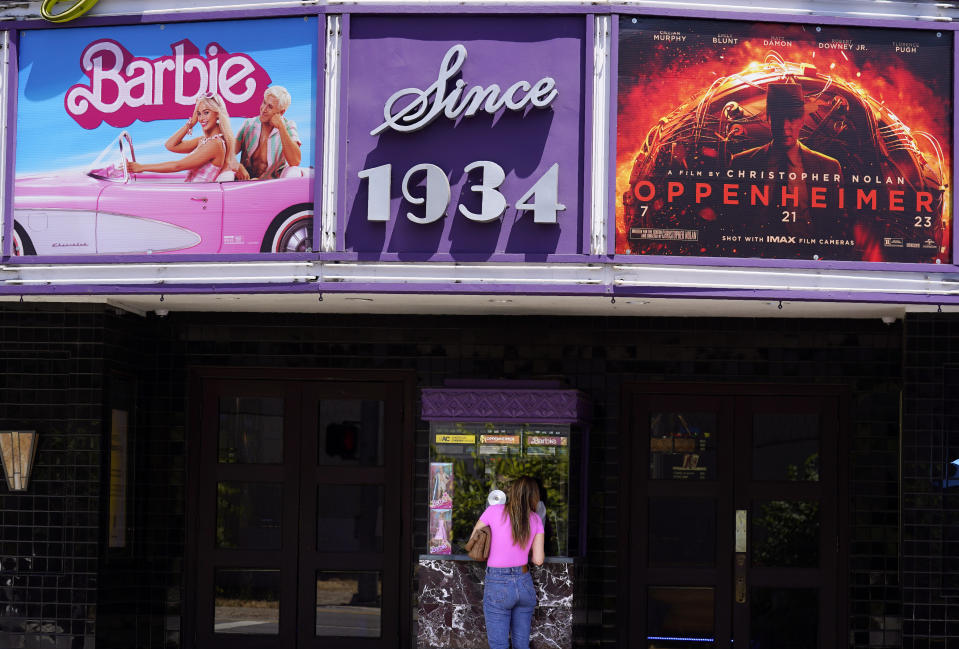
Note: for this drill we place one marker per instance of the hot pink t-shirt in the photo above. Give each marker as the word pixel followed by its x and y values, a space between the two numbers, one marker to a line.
pixel 503 553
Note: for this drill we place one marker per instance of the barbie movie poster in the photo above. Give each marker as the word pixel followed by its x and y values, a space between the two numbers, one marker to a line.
pixel 441 507
pixel 783 141
pixel 441 522
pixel 176 138
pixel 441 485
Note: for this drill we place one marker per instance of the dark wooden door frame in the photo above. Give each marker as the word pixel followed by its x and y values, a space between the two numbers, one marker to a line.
pixel 632 544
pixel 406 384
pixel 204 522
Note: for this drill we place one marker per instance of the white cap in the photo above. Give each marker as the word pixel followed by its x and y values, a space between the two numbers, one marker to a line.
pixel 496 497
pixel 541 510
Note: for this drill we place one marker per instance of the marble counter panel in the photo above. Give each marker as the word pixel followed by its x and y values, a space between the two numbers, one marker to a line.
pixel 450 605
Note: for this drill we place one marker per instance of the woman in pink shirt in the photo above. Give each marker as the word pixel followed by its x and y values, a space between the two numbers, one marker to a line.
pixel 509 597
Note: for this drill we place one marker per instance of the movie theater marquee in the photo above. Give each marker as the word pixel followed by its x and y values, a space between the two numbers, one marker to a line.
pixel 570 140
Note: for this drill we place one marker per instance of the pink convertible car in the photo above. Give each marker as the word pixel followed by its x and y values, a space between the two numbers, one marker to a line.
pixel 110 212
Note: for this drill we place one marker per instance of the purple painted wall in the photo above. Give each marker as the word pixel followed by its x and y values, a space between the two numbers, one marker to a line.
pixel 387 54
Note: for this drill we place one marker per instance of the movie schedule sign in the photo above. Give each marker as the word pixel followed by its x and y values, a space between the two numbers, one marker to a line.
pixel 464 136
pixel 179 138
pixel 783 141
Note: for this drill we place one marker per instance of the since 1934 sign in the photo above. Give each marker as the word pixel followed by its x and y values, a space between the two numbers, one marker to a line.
pixel 463 136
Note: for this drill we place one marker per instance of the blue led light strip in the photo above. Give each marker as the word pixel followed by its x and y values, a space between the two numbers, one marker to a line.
pixel 663 637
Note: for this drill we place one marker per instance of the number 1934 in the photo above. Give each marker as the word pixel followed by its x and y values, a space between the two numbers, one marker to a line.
pixel 542 199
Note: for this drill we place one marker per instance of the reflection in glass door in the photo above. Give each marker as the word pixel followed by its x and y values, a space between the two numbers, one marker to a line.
pixel 345 475
pixel 788 489
pixel 298 487
pixel 733 531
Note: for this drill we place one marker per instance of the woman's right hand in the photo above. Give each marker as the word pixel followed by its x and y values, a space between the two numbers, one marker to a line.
pixel 134 167
pixel 195 117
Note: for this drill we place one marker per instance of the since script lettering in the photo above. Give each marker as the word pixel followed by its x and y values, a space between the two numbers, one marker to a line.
pixel 422 107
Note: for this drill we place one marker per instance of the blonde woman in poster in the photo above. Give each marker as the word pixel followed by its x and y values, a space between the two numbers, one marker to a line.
pixel 209 155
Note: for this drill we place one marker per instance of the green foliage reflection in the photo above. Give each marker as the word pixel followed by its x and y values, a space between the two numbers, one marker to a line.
pixel 787 531
pixel 475 476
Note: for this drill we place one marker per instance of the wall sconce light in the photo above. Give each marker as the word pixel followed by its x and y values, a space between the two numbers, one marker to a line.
pixel 18 448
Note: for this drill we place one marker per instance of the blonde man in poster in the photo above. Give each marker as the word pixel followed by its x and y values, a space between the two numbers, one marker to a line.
pixel 269 143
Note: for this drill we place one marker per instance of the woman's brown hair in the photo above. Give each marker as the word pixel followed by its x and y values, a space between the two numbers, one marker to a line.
pixel 523 498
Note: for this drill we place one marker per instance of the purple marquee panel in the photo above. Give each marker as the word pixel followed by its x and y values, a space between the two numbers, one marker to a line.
pixel 452 104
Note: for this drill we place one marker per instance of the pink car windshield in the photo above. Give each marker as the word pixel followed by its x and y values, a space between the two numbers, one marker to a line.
pixel 109 172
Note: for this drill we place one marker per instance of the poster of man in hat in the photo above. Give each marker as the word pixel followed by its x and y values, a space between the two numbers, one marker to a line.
pixel 786 161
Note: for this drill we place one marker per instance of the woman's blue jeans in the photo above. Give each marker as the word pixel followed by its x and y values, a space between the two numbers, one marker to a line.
pixel 508 603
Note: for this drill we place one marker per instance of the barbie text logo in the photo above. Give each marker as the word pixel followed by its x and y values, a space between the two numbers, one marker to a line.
pixel 424 106
pixel 124 88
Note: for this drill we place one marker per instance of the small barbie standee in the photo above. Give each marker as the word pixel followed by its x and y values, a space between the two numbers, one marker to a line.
pixel 440 522
pixel 441 485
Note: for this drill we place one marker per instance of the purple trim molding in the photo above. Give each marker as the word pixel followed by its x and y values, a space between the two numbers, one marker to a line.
pixel 720 262
pixel 166 17
pixel 10 140
pixel 611 134
pixel 319 134
pixel 955 145
pixel 76 260
pixel 589 62
pixel 472 9
pixel 505 290
pixel 758 262
pixel 505 405
pixel 487 9
pixel 808 19
pixel 466 257
pixel 345 61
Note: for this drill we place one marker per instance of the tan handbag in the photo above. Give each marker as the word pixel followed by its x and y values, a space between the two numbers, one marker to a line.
pixel 478 545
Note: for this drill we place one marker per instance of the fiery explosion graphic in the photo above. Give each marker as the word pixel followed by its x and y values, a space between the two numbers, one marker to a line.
pixel 665 80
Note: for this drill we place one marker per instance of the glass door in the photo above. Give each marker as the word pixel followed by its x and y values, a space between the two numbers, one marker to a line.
pixel 350 540
pixel 785 492
pixel 679 547
pixel 299 514
pixel 733 518
pixel 247 515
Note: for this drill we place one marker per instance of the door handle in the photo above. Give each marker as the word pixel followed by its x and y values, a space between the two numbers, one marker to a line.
pixel 742 519
pixel 739 557
pixel 202 199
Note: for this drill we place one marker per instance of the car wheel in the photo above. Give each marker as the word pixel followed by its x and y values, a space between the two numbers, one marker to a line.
pixel 290 231
pixel 21 242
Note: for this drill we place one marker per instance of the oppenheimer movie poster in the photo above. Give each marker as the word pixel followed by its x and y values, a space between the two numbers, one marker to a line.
pixel 783 141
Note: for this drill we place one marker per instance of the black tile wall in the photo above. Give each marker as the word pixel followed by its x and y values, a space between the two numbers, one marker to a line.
pixel 49 535
pixel 142 583
pixel 141 592
pixel 930 506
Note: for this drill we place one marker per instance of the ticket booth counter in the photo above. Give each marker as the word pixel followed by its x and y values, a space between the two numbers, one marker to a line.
pixel 482 436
